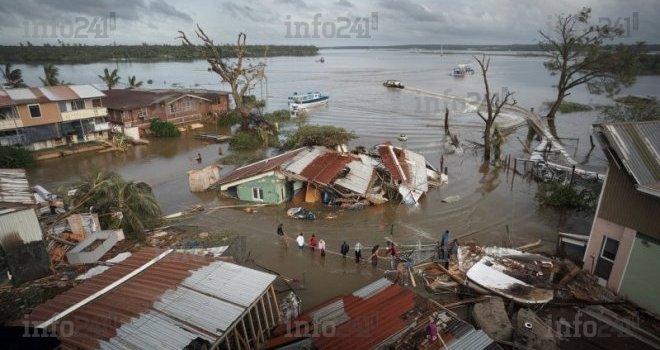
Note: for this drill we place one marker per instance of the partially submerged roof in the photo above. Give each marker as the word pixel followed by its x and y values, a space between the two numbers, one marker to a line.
pixel 260 167
pixel 129 99
pixel 395 161
pixel 372 314
pixel 358 178
pixel 14 189
pixel 326 167
pixel 48 94
pixel 164 306
pixel 637 146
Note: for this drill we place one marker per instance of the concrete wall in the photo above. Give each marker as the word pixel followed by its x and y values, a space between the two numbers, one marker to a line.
pixel 272 187
pixel 50 113
pixel 640 283
pixel 601 229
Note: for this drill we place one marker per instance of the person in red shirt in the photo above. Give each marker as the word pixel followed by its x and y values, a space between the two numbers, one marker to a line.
pixel 391 251
pixel 312 242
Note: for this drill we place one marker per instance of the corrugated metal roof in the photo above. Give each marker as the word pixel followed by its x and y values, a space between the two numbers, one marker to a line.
pixel 371 320
pixel 417 164
pixel 637 144
pixel 167 305
pixel 372 288
pixel 358 179
pixel 59 93
pixel 15 189
pixel 394 160
pixel 304 158
pixel 50 93
pixel 472 340
pixel 22 222
pixel 259 167
pixel 86 91
pixel 326 167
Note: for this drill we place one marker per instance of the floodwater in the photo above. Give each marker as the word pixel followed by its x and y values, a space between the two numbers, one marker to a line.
pixel 490 199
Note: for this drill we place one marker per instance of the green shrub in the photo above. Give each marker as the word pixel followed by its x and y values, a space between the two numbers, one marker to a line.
pixel 566 196
pixel 318 135
pixel 280 115
pixel 229 118
pixel 161 128
pixel 569 107
pixel 245 140
pixel 14 157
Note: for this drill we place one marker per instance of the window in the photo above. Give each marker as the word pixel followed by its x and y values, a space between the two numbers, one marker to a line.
pixel 64 106
pixel 143 113
pixel 76 105
pixel 187 105
pixel 35 111
pixel 257 193
pixel 6 113
pixel 124 115
pixel 610 248
pixel 173 108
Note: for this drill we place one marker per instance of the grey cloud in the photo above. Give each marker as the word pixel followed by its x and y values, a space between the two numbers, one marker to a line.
pixel 345 3
pixel 411 10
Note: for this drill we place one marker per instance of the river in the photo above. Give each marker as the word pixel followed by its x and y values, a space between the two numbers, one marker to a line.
pixel 490 200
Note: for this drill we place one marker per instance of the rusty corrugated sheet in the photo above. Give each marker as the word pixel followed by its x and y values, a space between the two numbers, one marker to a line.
pixel 326 167
pixel 370 321
pixel 200 297
pixel 263 166
pixel 391 162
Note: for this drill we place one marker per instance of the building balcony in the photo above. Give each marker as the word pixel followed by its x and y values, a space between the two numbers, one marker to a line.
pixel 9 124
pixel 85 113
pixel 101 127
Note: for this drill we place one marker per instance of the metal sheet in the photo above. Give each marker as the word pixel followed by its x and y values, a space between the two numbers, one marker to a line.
pixel 86 91
pixel 24 222
pixel 21 94
pixel 358 179
pixel 58 93
pixel 15 189
pixel 305 158
pixel 372 288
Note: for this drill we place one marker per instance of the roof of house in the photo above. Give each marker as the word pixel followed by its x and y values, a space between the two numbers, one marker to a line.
pixel 360 321
pixel 14 189
pixel 324 168
pixel 129 99
pixel 395 161
pixel 167 303
pixel 637 146
pixel 48 94
pixel 260 167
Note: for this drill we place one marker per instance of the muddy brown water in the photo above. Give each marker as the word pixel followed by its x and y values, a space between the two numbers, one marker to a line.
pixel 490 198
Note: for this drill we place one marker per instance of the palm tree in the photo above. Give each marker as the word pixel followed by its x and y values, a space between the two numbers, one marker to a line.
pixel 52 76
pixel 132 83
pixel 108 194
pixel 13 77
pixel 110 79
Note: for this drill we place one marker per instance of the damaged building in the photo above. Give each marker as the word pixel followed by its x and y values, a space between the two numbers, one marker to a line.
pixel 23 253
pixel 335 177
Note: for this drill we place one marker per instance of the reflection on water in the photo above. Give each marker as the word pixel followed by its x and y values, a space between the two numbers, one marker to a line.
pixel 490 200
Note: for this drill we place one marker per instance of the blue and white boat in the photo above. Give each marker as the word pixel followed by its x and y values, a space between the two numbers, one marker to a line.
pixel 299 102
pixel 462 70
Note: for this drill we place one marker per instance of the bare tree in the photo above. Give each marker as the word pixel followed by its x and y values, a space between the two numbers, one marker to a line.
pixel 234 71
pixel 578 55
pixel 494 104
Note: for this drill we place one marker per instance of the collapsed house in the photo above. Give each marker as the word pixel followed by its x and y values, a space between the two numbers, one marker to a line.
pixel 335 177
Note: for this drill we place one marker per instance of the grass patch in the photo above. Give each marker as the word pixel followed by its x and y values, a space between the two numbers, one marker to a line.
pixel 569 107
pixel 218 237
pixel 14 157
pixel 243 158
pixel 178 219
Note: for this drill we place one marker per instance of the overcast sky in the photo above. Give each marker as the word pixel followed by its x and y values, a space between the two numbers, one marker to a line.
pixel 273 21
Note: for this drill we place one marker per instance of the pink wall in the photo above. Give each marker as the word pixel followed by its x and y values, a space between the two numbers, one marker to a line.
pixel 603 228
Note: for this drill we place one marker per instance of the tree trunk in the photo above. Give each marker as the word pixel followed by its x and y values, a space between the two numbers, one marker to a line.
pixel 555 106
pixel 487 143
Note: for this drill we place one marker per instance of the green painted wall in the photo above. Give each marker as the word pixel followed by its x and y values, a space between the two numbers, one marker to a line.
pixel 640 281
pixel 272 187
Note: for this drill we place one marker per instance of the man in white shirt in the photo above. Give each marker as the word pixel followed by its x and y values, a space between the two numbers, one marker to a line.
pixel 301 241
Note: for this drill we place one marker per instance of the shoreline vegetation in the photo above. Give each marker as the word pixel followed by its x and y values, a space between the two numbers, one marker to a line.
pixel 78 53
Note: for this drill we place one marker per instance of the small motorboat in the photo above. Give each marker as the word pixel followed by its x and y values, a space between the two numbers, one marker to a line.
pixel 300 213
pixel 393 84
pixel 462 70
pixel 402 137
pixel 299 102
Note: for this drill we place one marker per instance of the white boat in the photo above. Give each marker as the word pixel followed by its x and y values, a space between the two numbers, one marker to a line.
pixel 462 70
pixel 299 102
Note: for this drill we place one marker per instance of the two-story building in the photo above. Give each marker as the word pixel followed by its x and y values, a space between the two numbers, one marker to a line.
pixel 136 107
pixel 51 116
pixel 624 245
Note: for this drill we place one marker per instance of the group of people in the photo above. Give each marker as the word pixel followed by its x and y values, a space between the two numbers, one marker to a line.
pixel 319 244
